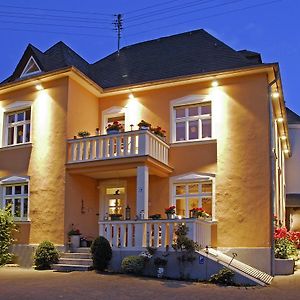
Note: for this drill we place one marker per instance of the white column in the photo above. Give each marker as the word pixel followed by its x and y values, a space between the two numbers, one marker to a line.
pixel 142 190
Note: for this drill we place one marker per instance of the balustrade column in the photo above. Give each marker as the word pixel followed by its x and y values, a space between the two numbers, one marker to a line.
pixel 142 190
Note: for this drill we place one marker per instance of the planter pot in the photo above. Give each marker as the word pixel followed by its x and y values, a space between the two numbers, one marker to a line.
pixel 75 241
pixel 114 131
pixel 170 216
pixel 284 266
pixel 144 127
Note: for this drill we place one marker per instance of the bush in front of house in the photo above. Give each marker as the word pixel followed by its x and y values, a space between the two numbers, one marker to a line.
pixel 133 264
pixel 284 248
pixel 101 253
pixel 223 277
pixel 45 255
pixel 7 227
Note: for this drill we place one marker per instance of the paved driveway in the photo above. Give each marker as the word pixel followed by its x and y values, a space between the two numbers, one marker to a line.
pixel 25 284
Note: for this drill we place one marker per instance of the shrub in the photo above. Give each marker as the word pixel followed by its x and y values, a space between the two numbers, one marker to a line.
pixel 7 226
pixel 284 248
pixel 45 255
pixel 223 277
pixel 101 253
pixel 160 262
pixel 133 264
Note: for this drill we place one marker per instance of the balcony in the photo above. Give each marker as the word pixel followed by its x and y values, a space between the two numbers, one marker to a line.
pixel 114 146
pixel 136 235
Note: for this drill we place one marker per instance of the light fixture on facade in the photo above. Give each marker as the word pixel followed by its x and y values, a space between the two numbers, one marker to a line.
pixel 131 96
pixel 283 137
pixel 275 95
pixel 280 120
pixel 39 87
pixel 214 83
pixel 286 151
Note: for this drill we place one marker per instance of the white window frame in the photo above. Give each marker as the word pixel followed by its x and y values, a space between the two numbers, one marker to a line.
pixel 194 178
pixel 187 102
pixel 13 182
pixel 14 107
pixel 115 111
pixel 25 71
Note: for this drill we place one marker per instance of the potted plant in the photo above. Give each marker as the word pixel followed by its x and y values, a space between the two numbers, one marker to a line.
pixel 170 212
pixel 114 128
pixel 198 212
pixel 285 251
pixel 83 133
pixel 143 125
pixel 74 236
pixel 115 217
pixel 155 217
pixel 158 131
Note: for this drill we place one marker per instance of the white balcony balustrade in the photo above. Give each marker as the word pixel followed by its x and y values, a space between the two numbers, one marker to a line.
pixel 121 145
pixel 136 235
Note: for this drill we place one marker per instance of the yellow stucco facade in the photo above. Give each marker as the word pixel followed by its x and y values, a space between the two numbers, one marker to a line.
pixel 237 156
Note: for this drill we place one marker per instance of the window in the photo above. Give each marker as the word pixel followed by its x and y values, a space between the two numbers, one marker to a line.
pixel 191 195
pixel 16 196
pixel 193 122
pixel 120 119
pixel 18 127
pixel 31 68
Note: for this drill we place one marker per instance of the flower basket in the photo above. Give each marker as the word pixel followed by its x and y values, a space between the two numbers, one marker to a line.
pixel 115 217
pixel 143 125
pixel 114 128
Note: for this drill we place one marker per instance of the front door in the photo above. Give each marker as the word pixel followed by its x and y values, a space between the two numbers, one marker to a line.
pixel 114 202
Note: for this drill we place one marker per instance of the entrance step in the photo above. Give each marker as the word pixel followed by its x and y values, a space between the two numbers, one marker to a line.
pixel 71 268
pixel 74 261
pixel 235 265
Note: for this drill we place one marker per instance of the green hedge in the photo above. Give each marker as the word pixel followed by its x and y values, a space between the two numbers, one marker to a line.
pixel 7 226
pixel 101 253
pixel 45 255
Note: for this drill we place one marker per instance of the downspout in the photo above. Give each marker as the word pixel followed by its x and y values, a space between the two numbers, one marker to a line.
pixel 272 177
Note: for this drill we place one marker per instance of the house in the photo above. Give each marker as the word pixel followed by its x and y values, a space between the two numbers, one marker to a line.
pixel 225 146
pixel 292 171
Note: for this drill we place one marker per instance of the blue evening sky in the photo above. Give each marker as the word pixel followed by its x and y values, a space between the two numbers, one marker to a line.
pixel 266 26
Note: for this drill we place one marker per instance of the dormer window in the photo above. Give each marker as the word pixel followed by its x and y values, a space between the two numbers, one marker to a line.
pixel 31 68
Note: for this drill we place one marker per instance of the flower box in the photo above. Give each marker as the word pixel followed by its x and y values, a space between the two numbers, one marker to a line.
pixel 284 266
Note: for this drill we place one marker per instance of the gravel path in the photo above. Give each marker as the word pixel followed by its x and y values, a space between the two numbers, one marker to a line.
pixel 23 284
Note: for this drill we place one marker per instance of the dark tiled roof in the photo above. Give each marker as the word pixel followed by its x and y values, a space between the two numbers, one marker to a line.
pixel 178 55
pixel 292 117
pixel 182 54
pixel 255 57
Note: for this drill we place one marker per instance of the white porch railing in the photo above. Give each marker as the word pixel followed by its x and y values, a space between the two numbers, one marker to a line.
pixel 112 146
pixel 135 235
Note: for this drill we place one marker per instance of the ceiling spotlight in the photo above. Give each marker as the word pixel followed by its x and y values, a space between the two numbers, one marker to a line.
pixel 214 83
pixel 39 87
pixel 275 95
pixel 280 120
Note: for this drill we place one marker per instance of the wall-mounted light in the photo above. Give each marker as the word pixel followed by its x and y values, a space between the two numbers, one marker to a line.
pixel 283 137
pixel 280 119
pixel 275 95
pixel 39 87
pixel 286 151
pixel 214 83
pixel 131 96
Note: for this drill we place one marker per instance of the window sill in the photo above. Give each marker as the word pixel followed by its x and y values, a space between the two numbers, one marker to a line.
pixel 19 146
pixel 22 221
pixel 190 143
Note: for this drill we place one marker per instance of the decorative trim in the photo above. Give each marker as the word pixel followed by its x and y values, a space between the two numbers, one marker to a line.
pixel 192 143
pixel 14 179
pixel 17 105
pixel 24 72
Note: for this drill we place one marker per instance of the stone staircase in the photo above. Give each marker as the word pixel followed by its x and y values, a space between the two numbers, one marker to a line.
pixel 74 261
